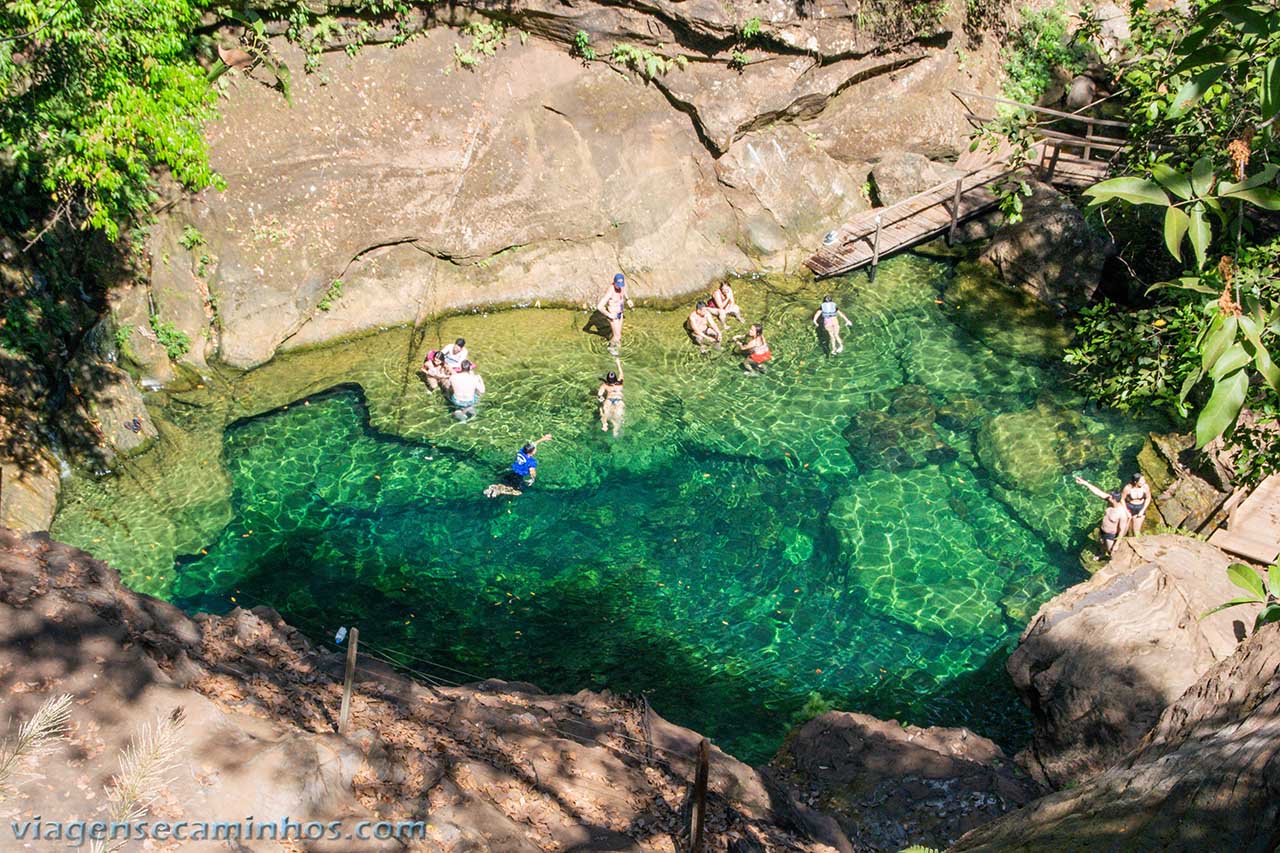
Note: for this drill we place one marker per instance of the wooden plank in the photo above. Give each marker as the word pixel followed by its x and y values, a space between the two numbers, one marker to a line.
pixel 1101 122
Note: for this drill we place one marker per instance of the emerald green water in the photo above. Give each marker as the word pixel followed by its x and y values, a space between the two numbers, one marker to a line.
pixel 876 527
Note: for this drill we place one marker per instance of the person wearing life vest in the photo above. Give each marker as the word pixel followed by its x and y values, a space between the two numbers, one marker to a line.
pixel 831 316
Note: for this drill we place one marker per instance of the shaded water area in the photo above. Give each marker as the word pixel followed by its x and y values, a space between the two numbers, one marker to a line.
pixel 875 527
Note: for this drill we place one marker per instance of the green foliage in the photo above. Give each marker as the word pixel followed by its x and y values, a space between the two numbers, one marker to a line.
pixel 814 706
pixel 749 31
pixel 646 62
pixel 176 343
pixel 1260 591
pixel 331 295
pixel 94 98
pixel 191 238
pixel 121 337
pixel 582 46
pixel 1037 49
pixel 486 38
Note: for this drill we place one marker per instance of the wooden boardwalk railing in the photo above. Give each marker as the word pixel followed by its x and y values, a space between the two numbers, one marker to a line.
pixel 1253 525
pixel 1059 157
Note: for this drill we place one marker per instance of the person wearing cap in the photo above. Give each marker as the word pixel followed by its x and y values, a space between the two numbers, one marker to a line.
pixel 1115 520
pixel 611 305
pixel 465 390
pixel 703 328
pixel 521 474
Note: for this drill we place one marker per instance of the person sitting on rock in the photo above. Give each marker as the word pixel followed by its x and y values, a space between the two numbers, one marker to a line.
pixel 724 305
pixel 435 372
pixel 521 474
pixel 756 349
pixel 464 392
pixel 1115 520
pixel 1137 499
pixel 455 354
pixel 831 316
pixel 702 327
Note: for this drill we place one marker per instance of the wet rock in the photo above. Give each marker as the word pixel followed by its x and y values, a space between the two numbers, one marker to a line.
pixel 1052 254
pixel 1202 778
pixel 29 473
pixel 113 405
pixel 1186 492
pixel 1007 321
pixel 1100 662
pixel 900 437
pixel 892 785
pixel 1031 450
pixel 962 413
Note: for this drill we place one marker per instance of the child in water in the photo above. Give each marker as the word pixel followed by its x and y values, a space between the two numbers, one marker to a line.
pixel 831 316
pixel 610 396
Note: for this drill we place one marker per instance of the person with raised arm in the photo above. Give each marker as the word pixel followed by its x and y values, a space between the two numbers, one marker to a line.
pixel 522 473
pixel 1115 519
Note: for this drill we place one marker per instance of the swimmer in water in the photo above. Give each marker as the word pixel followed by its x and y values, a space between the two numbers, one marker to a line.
pixel 455 354
pixel 702 327
pixel 755 348
pixel 522 472
pixel 612 305
pixel 612 406
pixel 1115 519
pixel 831 316
pixel 435 372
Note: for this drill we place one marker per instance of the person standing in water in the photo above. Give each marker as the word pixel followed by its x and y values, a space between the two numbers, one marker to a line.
pixel 831 316
pixel 1136 495
pixel 755 348
pixel 611 305
pixel 724 305
pixel 612 406
pixel 464 391
pixel 435 372
pixel 521 474
pixel 702 327
pixel 1115 520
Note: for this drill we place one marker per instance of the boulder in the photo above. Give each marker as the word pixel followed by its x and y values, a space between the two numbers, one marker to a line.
pixel 112 407
pixel 1099 663
pixel 901 436
pixel 901 174
pixel 891 785
pixel 1052 253
pixel 1204 778
pixel 29 473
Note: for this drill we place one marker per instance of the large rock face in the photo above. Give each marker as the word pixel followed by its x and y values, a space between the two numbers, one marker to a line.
pixel 1099 663
pixel 892 786
pixel 1052 253
pixel 1206 777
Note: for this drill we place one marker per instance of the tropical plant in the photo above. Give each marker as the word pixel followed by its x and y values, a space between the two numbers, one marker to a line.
pixel 176 343
pixel 1261 591
pixel 191 238
pixel 646 62
pixel 582 46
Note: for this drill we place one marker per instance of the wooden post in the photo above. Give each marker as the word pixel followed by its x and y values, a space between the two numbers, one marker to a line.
pixel 875 249
pixel 1053 163
pixel 700 797
pixel 353 639
pixel 955 211
pixel 1088 139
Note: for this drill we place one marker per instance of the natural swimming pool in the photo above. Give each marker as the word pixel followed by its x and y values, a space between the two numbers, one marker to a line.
pixel 875 528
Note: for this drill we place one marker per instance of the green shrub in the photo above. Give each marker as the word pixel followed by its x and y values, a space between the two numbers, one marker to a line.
pixel 646 62
pixel 582 46
pixel 176 343
pixel 1037 48
pixel 331 295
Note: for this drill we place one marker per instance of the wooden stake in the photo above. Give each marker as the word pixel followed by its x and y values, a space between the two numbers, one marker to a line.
pixel 700 796
pixel 875 249
pixel 353 639
pixel 1053 162
pixel 955 211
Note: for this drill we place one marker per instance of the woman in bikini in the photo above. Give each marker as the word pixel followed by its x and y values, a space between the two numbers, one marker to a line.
pixel 435 372
pixel 1115 520
pixel 723 304
pixel 610 396
pixel 1137 498
pixel 756 349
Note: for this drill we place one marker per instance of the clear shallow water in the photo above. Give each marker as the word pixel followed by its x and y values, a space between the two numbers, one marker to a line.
pixel 876 527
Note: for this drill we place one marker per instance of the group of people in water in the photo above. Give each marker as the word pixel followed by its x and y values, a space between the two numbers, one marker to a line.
pixel 451 370
pixel 1126 509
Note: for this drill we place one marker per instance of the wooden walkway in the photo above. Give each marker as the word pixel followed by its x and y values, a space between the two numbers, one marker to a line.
pixel 1060 158
pixel 1253 525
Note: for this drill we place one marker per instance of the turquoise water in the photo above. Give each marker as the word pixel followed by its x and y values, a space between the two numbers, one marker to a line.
pixel 875 528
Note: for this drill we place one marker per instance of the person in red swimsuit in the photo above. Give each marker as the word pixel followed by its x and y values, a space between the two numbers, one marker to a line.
pixel 756 349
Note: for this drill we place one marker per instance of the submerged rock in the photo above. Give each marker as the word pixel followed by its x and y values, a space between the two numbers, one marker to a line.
pixel 891 785
pixel 1031 450
pixel 901 437
pixel 1100 662
pixel 1007 321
